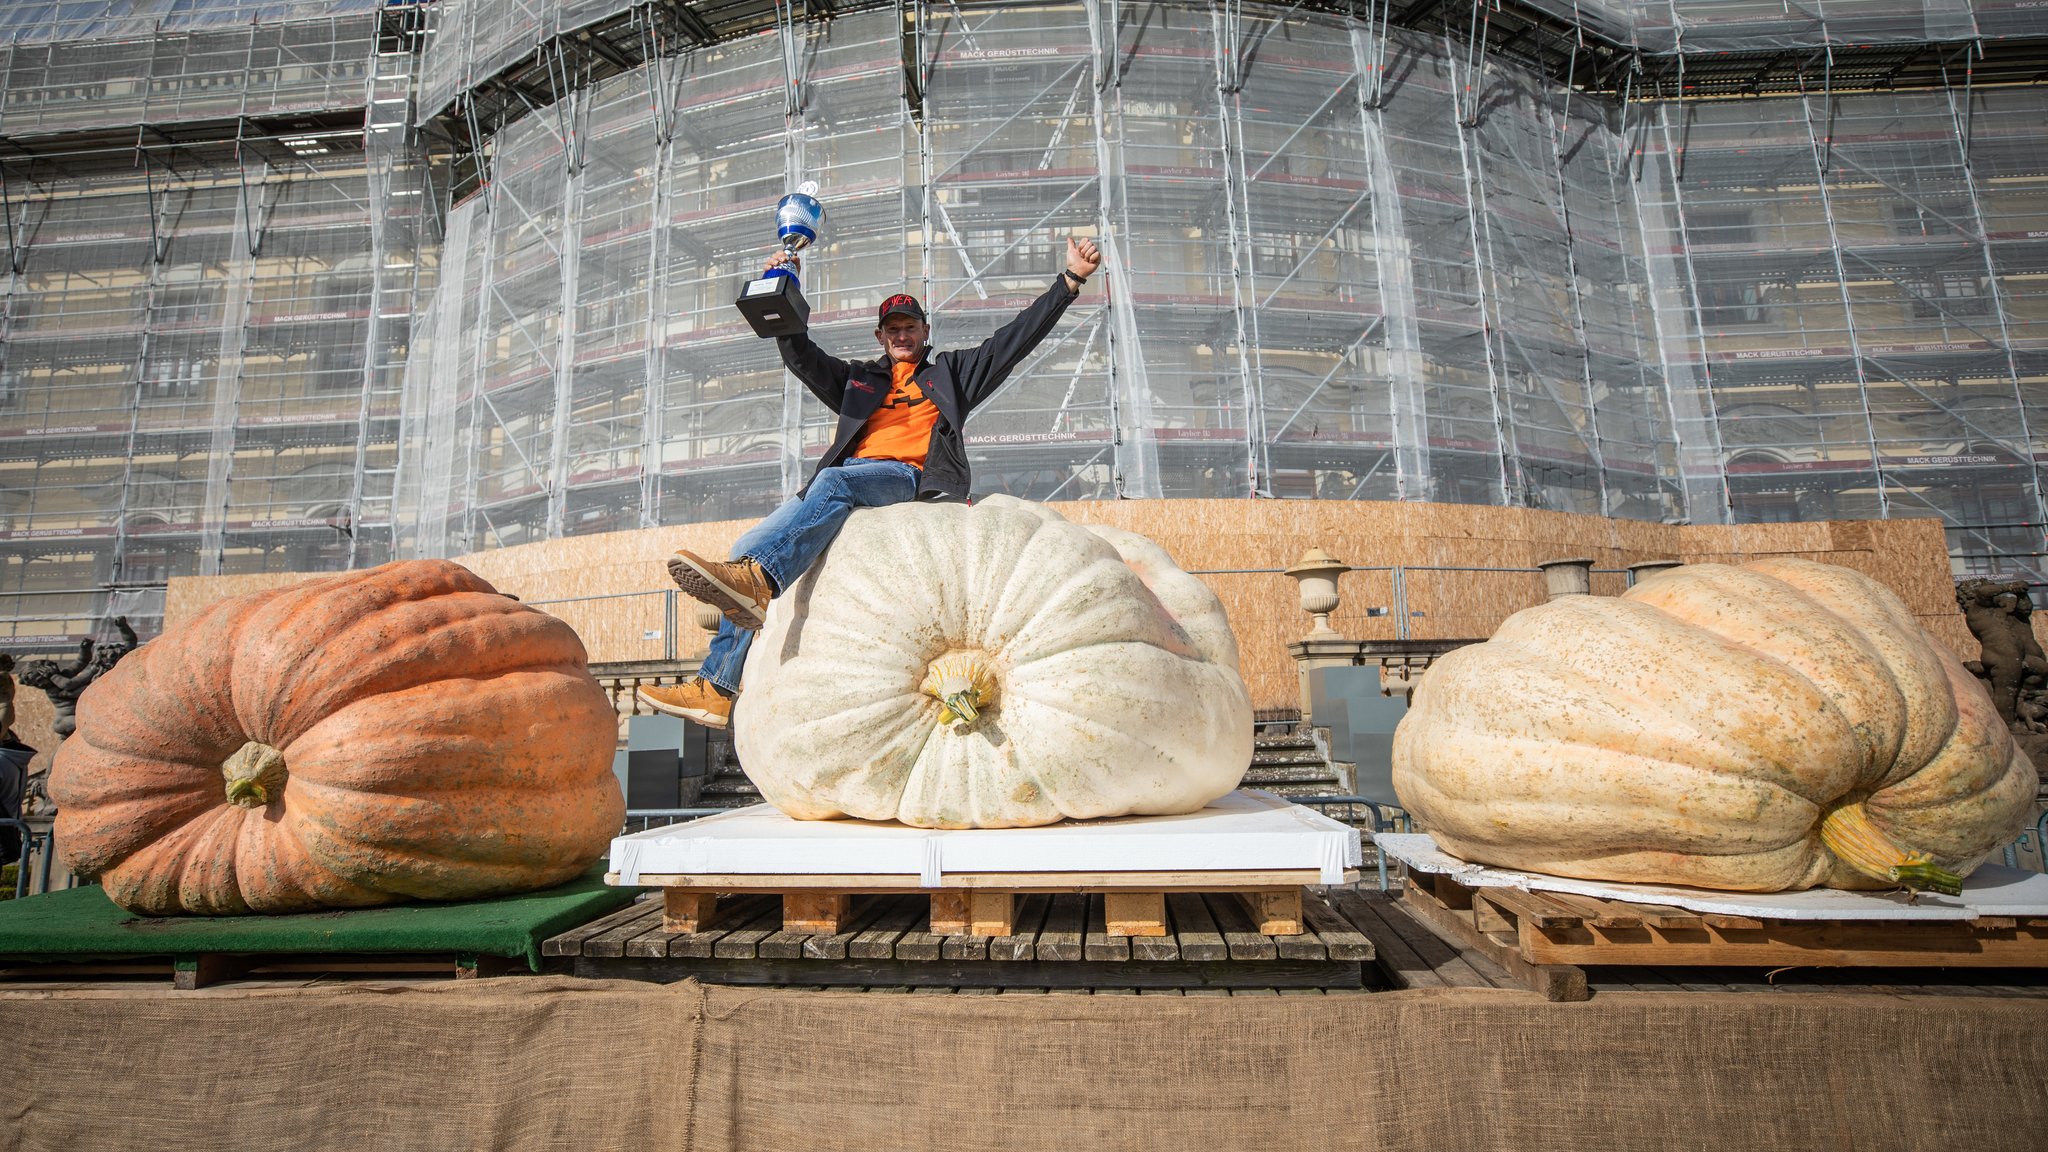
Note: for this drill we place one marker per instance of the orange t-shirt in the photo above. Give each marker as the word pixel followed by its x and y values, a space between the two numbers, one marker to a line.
pixel 901 429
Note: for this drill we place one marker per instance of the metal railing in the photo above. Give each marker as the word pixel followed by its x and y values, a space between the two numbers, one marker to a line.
pixel 648 817
pixel 39 846
pixel 2034 839
pixel 667 614
pixel 1385 818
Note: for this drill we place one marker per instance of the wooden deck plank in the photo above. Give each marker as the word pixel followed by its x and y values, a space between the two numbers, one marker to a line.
pixel 1165 947
pixel 570 943
pixel 1240 934
pixel 612 941
pixel 1343 939
pixel 965 946
pixel 699 945
pixel 919 942
pixel 745 938
pixel 1060 939
pixel 833 947
pixel 1021 944
pixel 879 941
pixel 1199 937
pixel 1448 958
pixel 1409 945
pixel 1305 945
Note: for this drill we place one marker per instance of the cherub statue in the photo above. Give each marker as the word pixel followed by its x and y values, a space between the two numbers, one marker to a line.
pixel 62 683
pixel 1999 613
pixel 65 683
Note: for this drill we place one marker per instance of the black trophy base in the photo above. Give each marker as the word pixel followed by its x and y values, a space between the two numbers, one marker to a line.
pixel 775 306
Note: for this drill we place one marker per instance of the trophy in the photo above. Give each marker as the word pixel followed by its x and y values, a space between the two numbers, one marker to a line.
pixel 775 304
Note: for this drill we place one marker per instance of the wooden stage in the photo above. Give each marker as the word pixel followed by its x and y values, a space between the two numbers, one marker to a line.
pixel 1059 940
pixel 1357 940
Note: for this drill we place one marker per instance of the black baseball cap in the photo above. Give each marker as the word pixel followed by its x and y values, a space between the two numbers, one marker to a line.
pixel 901 304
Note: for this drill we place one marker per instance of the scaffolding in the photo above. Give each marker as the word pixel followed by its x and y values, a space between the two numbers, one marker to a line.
pixel 299 289
pixel 1320 283
pixel 206 313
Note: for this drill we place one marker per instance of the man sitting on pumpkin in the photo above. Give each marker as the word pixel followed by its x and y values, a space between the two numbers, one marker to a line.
pixel 900 420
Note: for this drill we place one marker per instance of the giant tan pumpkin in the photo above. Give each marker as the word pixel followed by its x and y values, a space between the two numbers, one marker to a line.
pixel 402 732
pixel 1778 725
pixel 990 667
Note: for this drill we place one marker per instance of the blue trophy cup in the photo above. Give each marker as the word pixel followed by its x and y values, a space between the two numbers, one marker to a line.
pixel 774 303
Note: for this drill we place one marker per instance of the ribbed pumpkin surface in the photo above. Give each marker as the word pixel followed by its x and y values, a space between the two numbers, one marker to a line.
pixel 1700 729
pixel 439 741
pixel 1104 678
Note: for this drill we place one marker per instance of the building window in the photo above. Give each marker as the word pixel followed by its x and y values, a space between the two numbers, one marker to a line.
pixel 1721 226
pixel 1948 295
pixel 174 380
pixel 1723 303
pixel 1926 219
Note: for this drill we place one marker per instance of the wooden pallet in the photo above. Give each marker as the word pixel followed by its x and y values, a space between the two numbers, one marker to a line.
pixel 1055 940
pixel 985 904
pixel 200 970
pixel 1545 940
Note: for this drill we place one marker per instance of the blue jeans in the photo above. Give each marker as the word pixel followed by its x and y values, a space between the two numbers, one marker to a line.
pixel 790 539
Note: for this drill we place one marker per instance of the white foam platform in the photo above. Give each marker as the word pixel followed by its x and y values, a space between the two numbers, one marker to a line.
pixel 1992 890
pixel 1246 831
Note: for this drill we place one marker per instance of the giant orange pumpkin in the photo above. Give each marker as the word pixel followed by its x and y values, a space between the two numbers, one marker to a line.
pixel 404 732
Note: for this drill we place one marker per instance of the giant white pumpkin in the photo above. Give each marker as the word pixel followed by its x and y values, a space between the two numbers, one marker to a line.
pixel 993 666
pixel 1778 725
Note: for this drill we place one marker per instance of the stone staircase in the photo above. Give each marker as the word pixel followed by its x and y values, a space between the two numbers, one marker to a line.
pixel 727 786
pixel 1286 761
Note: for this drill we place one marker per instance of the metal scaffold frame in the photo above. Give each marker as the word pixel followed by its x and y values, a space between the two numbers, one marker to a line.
pixel 337 284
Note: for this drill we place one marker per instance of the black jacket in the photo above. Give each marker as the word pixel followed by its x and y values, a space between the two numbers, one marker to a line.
pixel 955 381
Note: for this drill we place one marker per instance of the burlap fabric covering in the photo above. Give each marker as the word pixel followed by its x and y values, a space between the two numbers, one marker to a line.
pixel 550 1063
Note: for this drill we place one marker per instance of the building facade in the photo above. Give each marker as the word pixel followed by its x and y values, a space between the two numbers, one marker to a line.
pixel 440 278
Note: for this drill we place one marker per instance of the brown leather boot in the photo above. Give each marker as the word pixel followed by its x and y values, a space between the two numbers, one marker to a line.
pixel 694 699
pixel 738 588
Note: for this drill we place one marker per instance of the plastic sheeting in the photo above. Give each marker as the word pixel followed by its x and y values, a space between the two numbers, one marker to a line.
pixel 1342 265
pixel 1321 283
pixel 192 71
pixel 202 358
pixel 1672 26
pixel 1863 295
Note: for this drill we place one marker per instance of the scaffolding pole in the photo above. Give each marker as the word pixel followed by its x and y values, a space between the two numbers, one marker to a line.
pixel 1822 146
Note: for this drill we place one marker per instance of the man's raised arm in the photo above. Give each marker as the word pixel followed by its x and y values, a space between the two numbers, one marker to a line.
pixel 983 369
pixel 823 373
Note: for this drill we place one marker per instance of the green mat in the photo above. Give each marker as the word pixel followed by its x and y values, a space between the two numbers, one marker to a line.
pixel 81 923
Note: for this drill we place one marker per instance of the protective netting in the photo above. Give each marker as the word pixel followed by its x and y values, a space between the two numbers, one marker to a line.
pixel 1341 264
pixel 65 75
pixel 1671 26
pixel 201 349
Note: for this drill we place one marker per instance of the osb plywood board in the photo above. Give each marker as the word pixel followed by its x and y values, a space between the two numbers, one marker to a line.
pixel 187 596
pixel 32 716
pixel 628 570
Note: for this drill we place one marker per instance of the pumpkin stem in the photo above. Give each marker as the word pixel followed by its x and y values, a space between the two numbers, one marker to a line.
pixel 255 775
pixel 963 683
pixel 1857 842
